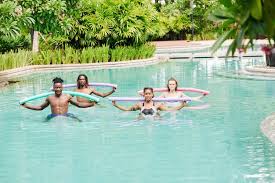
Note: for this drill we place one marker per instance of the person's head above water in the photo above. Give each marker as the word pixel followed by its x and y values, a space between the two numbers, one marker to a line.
pixel 82 81
pixel 148 94
pixel 57 85
pixel 57 80
pixel 172 85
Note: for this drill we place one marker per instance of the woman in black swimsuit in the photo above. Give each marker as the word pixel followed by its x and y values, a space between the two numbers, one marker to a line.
pixel 148 107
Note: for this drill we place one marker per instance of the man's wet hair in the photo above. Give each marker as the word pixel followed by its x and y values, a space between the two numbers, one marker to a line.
pixel 57 80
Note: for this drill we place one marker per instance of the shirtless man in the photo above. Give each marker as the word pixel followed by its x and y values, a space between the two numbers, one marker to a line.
pixel 83 87
pixel 59 102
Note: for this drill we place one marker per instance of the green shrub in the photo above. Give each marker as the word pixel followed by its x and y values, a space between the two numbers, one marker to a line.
pixel 70 55
pixel 132 52
pixel 12 60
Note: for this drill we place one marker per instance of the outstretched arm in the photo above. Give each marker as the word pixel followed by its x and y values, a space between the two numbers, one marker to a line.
pixel 132 108
pixel 37 108
pixel 103 94
pixel 194 98
pixel 162 107
pixel 199 97
pixel 81 104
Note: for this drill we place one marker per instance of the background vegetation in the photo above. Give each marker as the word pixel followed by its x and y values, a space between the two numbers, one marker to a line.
pixel 250 20
pixel 69 55
pixel 109 27
pixel 88 23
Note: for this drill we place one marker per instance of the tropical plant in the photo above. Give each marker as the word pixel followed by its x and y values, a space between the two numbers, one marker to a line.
pixel 179 19
pixel 132 52
pixel 176 19
pixel 49 15
pixel 203 27
pixel 8 43
pixel 246 20
pixel 69 55
pixel 113 23
pixel 87 55
pixel 12 60
pixel 13 22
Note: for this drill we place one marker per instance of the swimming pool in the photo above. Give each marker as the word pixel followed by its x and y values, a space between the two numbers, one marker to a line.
pixel 220 144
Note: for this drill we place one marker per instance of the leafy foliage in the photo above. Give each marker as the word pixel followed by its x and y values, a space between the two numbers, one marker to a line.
pixel 13 22
pixel 69 55
pixel 113 23
pixel 49 15
pixel 246 19
pixel 178 18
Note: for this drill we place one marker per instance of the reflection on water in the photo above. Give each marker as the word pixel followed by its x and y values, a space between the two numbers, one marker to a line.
pixel 222 143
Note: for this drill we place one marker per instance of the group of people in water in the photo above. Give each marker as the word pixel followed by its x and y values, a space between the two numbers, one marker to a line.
pixel 59 102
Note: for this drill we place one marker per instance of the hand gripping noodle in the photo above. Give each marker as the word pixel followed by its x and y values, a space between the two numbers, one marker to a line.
pixel 140 99
pixel 91 84
pixel 196 90
pixel 89 97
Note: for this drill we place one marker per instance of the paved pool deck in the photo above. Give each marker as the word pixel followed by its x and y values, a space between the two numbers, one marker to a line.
pixel 201 49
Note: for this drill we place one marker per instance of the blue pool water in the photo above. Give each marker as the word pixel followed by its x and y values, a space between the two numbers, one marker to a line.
pixel 220 144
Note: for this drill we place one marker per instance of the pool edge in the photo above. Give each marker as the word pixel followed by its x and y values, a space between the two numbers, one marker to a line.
pixel 10 74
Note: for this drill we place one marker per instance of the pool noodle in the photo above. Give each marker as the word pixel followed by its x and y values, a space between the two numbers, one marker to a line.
pixel 179 89
pixel 78 94
pixel 140 99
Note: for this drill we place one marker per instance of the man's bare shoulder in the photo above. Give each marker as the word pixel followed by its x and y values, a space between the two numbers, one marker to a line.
pixel 63 96
pixel 66 95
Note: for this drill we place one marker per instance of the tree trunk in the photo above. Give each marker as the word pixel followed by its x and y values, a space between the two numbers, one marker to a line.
pixel 35 40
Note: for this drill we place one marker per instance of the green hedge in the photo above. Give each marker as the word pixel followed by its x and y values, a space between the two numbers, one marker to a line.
pixel 72 56
pixel 14 60
pixel 131 53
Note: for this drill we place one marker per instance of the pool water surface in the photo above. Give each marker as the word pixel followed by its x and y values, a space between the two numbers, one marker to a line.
pixel 222 143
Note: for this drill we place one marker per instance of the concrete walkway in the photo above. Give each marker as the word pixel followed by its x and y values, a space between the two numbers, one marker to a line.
pixel 200 49
pixel 185 44
pixel 180 43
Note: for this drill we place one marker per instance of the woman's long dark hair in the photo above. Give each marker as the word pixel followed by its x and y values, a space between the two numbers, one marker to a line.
pixel 86 79
pixel 172 79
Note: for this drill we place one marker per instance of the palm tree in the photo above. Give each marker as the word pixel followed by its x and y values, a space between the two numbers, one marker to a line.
pixel 244 20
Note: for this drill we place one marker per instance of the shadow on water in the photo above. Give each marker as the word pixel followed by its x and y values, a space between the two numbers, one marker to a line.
pixel 62 118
